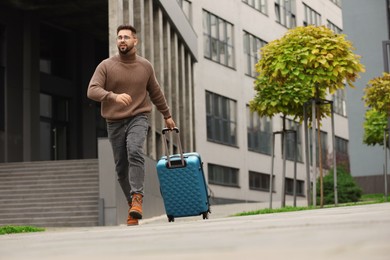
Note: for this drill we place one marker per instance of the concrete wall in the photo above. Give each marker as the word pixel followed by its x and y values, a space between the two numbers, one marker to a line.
pixel 365 24
pixel 115 206
pixel 373 184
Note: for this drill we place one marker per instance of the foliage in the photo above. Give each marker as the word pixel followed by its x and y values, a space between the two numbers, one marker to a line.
pixel 19 229
pixel 377 98
pixel 347 189
pixel 290 68
pixel 377 93
pixel 374 125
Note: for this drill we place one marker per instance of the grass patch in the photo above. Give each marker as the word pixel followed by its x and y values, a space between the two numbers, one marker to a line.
pixel 365 199
pixel 375 197
pixel 277 210
pixel 19 229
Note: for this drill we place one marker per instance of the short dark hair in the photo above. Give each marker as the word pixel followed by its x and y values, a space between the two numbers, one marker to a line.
pixel 126 27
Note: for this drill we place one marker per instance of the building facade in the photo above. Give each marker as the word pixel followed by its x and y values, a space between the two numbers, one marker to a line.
pixel 204 54
pixel 236 144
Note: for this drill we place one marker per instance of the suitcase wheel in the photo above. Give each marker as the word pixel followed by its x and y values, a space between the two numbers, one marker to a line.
pixel 205 215
pixel 171 219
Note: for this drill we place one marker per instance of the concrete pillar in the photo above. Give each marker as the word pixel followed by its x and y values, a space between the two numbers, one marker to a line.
pixel 175 79
pixel 139 24
pixel 190 87
pixel 128 6
pixel 13 140
pixel 88 113
pixel 115 18
pixel 31 89
pixel 183 101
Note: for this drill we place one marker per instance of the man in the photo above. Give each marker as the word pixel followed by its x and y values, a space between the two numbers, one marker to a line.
pixel 124 84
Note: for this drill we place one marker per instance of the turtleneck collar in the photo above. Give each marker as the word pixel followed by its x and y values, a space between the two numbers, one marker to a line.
pixel 128 57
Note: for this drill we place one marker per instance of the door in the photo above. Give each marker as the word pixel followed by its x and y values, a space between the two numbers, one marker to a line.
pixel 54 127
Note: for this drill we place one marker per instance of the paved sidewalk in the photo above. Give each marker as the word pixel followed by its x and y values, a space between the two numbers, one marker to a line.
pixel 356 232
pixel 223 211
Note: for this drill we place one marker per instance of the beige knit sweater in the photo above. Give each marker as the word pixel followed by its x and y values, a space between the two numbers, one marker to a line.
pixel 129 74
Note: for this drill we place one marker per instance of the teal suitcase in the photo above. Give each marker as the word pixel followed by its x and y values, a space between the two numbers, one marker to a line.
pixel 182 183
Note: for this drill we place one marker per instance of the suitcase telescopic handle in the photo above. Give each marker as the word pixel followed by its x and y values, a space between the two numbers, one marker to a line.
pixel 175 129
pixel 165 129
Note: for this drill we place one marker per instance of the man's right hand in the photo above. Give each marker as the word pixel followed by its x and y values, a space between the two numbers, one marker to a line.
pixel 123 99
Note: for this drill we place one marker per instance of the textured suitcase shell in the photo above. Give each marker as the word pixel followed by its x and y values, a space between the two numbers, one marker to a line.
pixel 183 188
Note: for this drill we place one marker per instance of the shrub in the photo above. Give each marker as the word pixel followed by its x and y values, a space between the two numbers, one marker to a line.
pixel 347 188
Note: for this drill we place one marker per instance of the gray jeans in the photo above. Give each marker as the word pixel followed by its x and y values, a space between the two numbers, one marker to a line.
pixel 127 138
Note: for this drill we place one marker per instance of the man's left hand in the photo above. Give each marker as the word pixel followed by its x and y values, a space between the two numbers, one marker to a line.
pixel 169 123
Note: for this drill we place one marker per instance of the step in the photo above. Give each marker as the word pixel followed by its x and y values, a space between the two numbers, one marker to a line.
pixel 92 162
pixel 54 193
pixel 46 171
pixel 65 221
pixel 82 185
pixel 9 202
pixel 36 179
pixel 48 210
pixel 48 204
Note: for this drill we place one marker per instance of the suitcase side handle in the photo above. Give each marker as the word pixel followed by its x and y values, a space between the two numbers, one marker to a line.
pixel 164 130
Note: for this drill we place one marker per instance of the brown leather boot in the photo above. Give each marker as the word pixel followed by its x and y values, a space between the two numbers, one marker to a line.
pixel 130 220
pixel 136 207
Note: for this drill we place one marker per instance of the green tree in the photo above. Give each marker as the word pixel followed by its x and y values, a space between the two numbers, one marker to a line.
pixel 374 125
pixel 377 93
pixel 377 98
pixel 307 62
pixel 290 68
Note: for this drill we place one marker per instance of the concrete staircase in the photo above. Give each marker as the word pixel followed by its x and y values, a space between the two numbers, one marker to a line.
pixel 50 193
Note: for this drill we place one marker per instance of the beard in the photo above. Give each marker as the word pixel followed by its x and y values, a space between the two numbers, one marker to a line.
pixel 123 49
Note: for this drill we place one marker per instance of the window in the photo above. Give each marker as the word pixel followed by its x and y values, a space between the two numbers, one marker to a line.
pixel 218 39
pixel 259 133
pixel 342 154
pixel 334 27
pixel 252 46
pixel 259 181
pixel 339 102
pixel 260 5
pixel 285 13
pixel 221 119
pixel 221 175
pixel 52 61
pixel 324 149
pixel 185 5
pixel 300 190
pixel 311 16
pixel 290 145
pixel 341 146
